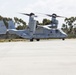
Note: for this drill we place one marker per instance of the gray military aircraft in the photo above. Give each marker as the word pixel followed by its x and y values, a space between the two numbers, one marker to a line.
pixel 34 31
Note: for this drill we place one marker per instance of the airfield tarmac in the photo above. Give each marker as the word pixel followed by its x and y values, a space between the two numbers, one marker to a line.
pixel 46 57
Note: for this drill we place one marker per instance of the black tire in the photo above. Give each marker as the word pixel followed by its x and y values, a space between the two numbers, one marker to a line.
pixel 31 39
pixel 38 39
pixel 63 39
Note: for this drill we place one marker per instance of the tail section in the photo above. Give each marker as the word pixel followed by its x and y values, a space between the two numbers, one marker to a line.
pixel 11 24
pixel 3 28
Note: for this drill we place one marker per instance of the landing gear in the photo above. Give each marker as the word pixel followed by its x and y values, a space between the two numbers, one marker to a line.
pixel 63 39
pixel 31 39
pixel 38 39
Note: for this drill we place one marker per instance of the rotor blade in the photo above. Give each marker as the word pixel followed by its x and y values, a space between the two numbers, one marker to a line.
pixel 29 14
pixel 48 15
pixel 61 16
pixel 56 16
pixel 45 14
pixel 25 14
pixel 51 15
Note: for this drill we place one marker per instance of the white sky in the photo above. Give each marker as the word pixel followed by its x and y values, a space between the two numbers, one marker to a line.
pixel 10 8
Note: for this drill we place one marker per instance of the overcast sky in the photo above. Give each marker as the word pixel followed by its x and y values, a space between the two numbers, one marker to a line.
pixel 10 8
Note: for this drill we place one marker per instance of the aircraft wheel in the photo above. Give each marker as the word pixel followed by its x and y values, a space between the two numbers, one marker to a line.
pixel 31 39
pixel 63 39
pixel 38 39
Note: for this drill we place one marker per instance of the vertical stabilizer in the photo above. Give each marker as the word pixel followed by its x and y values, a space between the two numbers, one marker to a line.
pixel 11 24
pixel 3 28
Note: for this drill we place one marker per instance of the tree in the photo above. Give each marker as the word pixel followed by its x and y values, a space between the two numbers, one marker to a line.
pixel 20 22
pixel 68 27
pixel 46 21
pixel 1 17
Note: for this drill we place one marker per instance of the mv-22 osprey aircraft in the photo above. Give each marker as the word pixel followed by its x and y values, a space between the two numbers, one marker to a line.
pixel 34 31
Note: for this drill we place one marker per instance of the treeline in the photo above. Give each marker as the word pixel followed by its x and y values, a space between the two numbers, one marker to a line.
pixel 45 22
pixel 69 27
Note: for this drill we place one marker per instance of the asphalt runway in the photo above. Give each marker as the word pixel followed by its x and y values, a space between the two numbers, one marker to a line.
pixel 49 57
